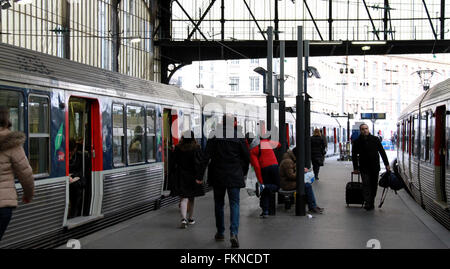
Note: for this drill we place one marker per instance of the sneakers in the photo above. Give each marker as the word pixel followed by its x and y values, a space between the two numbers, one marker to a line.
pixel 234 241
pixel 184 224
pixel 219 237
pixel 191 221
pixel 264 215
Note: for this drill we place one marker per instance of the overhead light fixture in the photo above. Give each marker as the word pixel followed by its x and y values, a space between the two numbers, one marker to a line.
pixel 135 40
pixel 365 48
pixel 335 43
pixel 374 42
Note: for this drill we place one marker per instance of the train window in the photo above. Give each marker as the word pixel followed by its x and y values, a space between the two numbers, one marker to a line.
pixel 417 136
pixel 135 134
pixel 431 130
pixel 424 137
pixel 14 102
pixel 421 136
pixel 186 122
pixel 39 134
pixel 151 134
pixel 118 135
pixel 448 139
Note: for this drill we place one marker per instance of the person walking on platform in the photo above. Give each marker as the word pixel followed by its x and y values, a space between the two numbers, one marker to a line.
pixel 188 180
pixel 264 161
pixel 288 180
pixel 317 152
pixel 229 156
pixel 367 162
pixel 13 162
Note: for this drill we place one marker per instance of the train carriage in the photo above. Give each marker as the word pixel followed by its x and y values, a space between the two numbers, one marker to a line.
pixel 123 127
pixel 423 150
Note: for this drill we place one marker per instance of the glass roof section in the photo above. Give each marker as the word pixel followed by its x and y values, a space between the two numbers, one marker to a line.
pixel 322 20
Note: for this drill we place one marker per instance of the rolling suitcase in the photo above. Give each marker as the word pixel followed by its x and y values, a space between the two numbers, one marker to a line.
pixel 354 192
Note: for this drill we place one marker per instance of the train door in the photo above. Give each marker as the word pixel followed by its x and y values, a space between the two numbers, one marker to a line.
pixel 440 151
pixel 170 139
pixel 85 160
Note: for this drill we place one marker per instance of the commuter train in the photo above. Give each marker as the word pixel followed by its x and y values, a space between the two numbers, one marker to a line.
pixel 124 129
pixel 423 149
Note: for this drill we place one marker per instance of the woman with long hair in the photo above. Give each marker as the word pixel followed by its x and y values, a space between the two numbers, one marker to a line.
pixel 188 182
pixel 13 163
pixel 317 152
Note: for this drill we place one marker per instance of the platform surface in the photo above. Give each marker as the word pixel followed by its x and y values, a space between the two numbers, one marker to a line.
pixel 399 224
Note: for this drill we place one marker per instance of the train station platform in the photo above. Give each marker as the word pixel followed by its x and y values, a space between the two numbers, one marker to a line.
pixel 399 224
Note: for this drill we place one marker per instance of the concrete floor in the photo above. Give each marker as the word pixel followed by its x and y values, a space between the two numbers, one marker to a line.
pixel 400 223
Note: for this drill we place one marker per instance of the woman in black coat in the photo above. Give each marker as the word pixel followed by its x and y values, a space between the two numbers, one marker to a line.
pixel 187 178
pixel 317 152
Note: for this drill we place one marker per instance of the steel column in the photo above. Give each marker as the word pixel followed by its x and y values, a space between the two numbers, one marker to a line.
pixel 300 204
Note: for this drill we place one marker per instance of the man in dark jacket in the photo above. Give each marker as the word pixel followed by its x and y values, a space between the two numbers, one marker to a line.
pixel 367 162
pixel 229 165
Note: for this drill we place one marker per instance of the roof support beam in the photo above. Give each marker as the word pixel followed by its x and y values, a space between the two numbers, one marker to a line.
pixel 254 19
pixel 189 17
pixel 201 19
pixel 442 19
pixel 371 21
pixel 429 19
pixel 312 18
pixel 385 19
pixel 222 21
pixel 330 20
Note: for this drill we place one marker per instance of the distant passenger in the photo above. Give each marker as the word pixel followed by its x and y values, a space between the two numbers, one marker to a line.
pixel 136 151
pixel 188 169
pixel 264 161
pixel 367 162
pixel 324 138
pixel 317 152
pixel 13 163
pixel 288 180
pixel 229 165
pixel 77 181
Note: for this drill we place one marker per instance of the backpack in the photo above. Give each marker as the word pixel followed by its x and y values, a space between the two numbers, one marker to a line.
pixel 389 180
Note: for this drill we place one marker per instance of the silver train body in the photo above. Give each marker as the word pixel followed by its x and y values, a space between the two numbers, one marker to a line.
pixel 54 100
pixel 423 150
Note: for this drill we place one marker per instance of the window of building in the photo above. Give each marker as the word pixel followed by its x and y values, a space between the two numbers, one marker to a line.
pixel 135 134
pixel 254 84
pixel 234 83
pixel 14 102
pixel 118 135
pixel 39 134
pixel 254 61
pixel 151 134
pixel 234 61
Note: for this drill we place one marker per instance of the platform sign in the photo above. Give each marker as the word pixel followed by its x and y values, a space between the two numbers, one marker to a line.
pixel 375 116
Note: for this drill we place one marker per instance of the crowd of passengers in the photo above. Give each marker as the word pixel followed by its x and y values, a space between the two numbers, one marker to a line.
pixel 227 158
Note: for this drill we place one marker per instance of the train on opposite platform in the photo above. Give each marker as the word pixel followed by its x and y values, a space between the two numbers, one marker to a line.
pixel 123 127
pixel 423 150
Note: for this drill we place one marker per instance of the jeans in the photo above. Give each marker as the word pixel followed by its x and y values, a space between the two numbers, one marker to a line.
pixel 5 217
pixel 370 186
pixel 310 196
pixel 219 201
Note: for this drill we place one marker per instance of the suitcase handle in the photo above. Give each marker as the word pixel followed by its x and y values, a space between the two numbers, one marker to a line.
pixel 359 174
